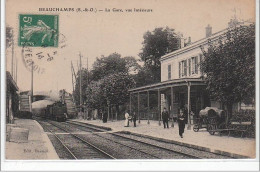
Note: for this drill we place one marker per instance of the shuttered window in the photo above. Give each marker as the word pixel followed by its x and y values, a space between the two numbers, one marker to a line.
pixel 196 65
pixel 169 71
pixel 185 68
pixel 189 67
pixel 179 69
pixel 200 64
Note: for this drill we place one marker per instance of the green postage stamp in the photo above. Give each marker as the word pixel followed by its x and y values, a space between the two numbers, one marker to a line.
pixel 38 30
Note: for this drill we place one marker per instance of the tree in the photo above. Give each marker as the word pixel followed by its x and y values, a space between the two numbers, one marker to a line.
pixel 115 88
pixel 229 65
pixel 95 95
pixel 108 65
pixel 86 78
pixel 156 44
pixel 131 65
pixel 9 36
pixel 110 90
pixel 109 80
pixel 144 77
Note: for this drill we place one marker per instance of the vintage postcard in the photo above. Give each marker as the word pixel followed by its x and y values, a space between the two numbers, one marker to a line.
pixel 133 85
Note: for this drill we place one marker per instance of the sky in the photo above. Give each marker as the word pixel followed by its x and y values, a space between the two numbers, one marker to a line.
pixel 103 33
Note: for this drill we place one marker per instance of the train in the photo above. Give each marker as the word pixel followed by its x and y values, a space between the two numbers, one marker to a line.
pixel 57 112
pixel 48 109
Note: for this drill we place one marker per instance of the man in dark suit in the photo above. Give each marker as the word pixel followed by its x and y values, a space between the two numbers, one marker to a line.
pixel 134 119
pixel 165 117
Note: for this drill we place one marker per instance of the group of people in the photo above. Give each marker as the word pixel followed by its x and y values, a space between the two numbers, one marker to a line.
pixel 129 118
pixel 181 120
pixel 165 117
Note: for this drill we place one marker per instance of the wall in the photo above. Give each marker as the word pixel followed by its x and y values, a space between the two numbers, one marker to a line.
pixel 174 62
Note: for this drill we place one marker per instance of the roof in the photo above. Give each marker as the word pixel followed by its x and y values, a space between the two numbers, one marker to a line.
pixel 193 45
pixel 11 81
pixel 169 83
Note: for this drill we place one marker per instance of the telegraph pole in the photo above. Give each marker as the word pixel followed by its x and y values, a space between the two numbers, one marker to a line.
pixel 32 86
pixel 16 70
pixel 12 70
pixel 80 81
pixel 87 83
pixel 72 77
pixel 87 72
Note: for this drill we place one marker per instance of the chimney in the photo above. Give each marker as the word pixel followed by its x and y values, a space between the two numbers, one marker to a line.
pixel 182 40
pixel 208 31
pixel 189 40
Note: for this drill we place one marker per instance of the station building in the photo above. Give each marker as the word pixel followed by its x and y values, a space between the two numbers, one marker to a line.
pixel 12 103
pixel 182 83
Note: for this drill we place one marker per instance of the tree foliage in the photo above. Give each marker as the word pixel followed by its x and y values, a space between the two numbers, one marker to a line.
pixel 112 64
pixel 116 86
pixel 144 77
pixel 9 36
pixel 109 81
pixel 156 44
pixel 86 78
pixel 95 95
pixel 229 65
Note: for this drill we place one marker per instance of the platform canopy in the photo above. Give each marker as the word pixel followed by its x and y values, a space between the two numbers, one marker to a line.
pixel 168 84
pixel 185 83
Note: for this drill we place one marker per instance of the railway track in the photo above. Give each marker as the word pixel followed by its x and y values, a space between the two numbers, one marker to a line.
pixel 59 125
pixel 146 148
pixel 132 140
pixel 133 146
pixel 155 151
pixel 60 141
pixel 78 147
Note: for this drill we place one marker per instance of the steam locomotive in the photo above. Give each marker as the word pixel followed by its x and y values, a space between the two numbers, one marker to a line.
pixel 57 112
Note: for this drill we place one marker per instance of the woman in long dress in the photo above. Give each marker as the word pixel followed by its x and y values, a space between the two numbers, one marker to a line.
pixel 126 119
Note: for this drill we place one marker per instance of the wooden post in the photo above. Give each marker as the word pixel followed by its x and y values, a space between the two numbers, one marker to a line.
pixel 189 122
pixel 159 106
pixel 80 82
pixel 31 87
pixel 112 113
pixel 107 112
pixel 130 106
pixel 172 106
pixel 16 64
pixel 148 104
pixel 138 106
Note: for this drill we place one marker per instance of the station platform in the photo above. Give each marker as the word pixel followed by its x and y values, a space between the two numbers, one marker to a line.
pixel 38 147
pixel 229 146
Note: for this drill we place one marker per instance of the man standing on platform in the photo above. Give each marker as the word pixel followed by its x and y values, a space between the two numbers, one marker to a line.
pixel 181 122
pixel 134 119
pixel 165 117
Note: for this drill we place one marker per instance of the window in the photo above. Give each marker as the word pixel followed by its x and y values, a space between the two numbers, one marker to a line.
pixel 194 65
pixel 169 72
pixel 189 67
pixel 183 68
